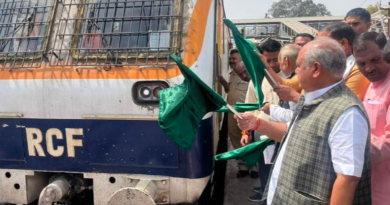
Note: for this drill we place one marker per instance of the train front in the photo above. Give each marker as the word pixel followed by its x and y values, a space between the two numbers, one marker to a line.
pixel 79 111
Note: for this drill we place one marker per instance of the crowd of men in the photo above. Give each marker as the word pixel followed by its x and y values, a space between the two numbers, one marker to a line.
pixel 328 113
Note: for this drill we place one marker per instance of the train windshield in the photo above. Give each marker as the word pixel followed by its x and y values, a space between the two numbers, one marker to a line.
pixel 121 25
pixel 121 32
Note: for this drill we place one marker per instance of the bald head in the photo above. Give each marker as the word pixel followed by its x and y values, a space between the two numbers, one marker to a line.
pixel 290 51
pixel 328 53
pixel 240 66
pixel 288 57
pixel 321 63
pixel 242 72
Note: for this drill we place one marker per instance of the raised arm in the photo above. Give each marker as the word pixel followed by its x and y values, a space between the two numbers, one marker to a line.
pixel 293 82
pixel 273 130
pixel 224 83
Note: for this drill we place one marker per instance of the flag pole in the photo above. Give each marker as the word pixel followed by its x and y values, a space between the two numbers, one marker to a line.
pixel 234 111
pixel 270 77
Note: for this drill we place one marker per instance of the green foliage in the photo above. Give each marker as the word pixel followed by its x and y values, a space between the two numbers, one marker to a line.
pixel 374 8
pixel 297 8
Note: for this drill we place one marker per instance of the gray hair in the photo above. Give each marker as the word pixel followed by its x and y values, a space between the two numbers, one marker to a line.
pixel 328 53
pixel 290 51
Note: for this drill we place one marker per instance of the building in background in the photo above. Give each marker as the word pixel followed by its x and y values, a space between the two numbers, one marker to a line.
pixel 285 29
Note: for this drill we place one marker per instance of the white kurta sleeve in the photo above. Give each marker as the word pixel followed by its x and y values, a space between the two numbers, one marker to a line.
pixel 347 142
pixel 279 114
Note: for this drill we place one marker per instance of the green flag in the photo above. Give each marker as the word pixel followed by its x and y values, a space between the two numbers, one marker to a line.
pixel 250 154
pixel 242 107
pixel 183 107
pixel 253 64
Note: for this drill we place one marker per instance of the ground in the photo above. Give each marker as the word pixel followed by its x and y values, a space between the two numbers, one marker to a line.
pixel 237 190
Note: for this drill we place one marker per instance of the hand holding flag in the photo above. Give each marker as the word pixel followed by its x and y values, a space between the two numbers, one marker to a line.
pixel 183 107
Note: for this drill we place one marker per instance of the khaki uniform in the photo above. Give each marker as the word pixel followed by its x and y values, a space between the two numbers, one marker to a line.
pixel 237 89
pixel 237 93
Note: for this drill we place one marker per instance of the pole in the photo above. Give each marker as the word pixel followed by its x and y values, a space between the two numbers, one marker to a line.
pixel 234 111
pixel 382 22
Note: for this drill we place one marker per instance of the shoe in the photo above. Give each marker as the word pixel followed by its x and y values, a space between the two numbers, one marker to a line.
pixel 256 198
pixel 242 174
pixel 257 189
pixel 254 175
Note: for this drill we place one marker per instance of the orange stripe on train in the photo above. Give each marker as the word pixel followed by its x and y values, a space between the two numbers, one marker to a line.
pixel 72 73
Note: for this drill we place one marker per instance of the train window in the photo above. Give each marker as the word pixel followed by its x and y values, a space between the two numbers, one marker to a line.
pixel 118 31
pixel 24 30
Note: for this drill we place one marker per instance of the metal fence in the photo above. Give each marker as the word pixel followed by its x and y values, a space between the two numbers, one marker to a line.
pixel 117 32
pixel 24 31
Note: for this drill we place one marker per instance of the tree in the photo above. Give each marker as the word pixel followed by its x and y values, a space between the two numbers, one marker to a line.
pixel 374 8
pixel 297 8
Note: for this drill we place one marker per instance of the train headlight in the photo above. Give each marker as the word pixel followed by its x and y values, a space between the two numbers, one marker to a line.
pixel 146 92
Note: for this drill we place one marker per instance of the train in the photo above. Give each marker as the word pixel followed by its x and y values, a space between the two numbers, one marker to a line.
pixel 79 83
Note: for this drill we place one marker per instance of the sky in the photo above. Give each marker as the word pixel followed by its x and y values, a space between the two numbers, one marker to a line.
pixel 254 9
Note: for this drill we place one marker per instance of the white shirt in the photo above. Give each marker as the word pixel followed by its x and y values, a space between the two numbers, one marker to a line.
pixel 347 142
pixel 269 95
pixel 350 63
pixel 279 114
